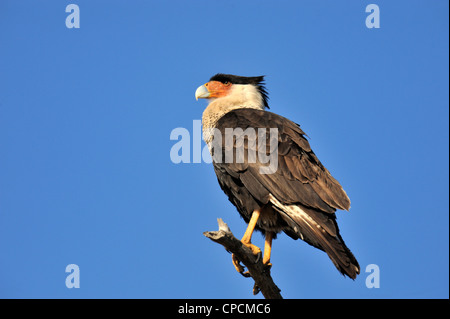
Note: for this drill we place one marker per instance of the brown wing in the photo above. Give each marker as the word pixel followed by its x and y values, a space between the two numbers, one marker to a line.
pixel 300 177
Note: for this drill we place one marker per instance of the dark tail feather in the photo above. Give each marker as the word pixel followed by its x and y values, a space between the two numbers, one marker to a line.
pixel 341 256
pixel 321 231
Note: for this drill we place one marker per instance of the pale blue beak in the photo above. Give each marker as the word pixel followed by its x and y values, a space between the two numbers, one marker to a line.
pixel 202 93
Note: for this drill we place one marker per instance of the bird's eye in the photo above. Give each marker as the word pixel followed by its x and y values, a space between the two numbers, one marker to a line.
pixel 226 83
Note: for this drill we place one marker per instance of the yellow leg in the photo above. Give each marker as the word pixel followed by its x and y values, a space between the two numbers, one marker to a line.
pixel 246 240
pixel 267 248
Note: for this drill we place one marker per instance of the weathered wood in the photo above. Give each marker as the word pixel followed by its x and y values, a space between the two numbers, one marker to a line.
pixel 256 269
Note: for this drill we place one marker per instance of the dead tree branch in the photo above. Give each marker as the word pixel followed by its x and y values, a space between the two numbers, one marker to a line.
pixel 256 269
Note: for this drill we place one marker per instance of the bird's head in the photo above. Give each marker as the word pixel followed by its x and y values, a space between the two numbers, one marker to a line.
pixel 243 90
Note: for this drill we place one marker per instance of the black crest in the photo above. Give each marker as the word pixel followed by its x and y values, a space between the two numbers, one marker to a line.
pixel 257 81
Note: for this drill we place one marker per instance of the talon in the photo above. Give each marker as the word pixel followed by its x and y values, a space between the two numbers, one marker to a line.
pixel 256 289
pixel 258 257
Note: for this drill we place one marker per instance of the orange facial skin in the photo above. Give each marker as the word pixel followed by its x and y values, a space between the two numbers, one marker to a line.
pixel 218 89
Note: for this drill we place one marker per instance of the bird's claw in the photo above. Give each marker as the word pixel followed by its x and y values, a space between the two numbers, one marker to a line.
pixel 240 269
pixel 256 289
pixel 237 263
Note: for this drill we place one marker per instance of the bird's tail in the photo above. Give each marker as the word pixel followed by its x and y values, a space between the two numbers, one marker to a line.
pixel 321 231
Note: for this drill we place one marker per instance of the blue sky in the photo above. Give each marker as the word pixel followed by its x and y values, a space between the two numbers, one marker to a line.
pixel 86 115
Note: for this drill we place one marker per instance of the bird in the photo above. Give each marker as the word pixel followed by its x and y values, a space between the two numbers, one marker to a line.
pixel 297 195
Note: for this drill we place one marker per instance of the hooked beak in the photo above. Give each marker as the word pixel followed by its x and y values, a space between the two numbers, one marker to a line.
pixel 202 93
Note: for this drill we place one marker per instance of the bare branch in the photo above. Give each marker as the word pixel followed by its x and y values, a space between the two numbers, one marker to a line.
pixel 256 269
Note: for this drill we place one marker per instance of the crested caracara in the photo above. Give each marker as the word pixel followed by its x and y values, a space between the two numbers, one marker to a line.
pixel 297 196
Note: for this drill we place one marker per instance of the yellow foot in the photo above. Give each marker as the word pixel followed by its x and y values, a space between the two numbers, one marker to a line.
pixel 237 263
pixel 255 249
